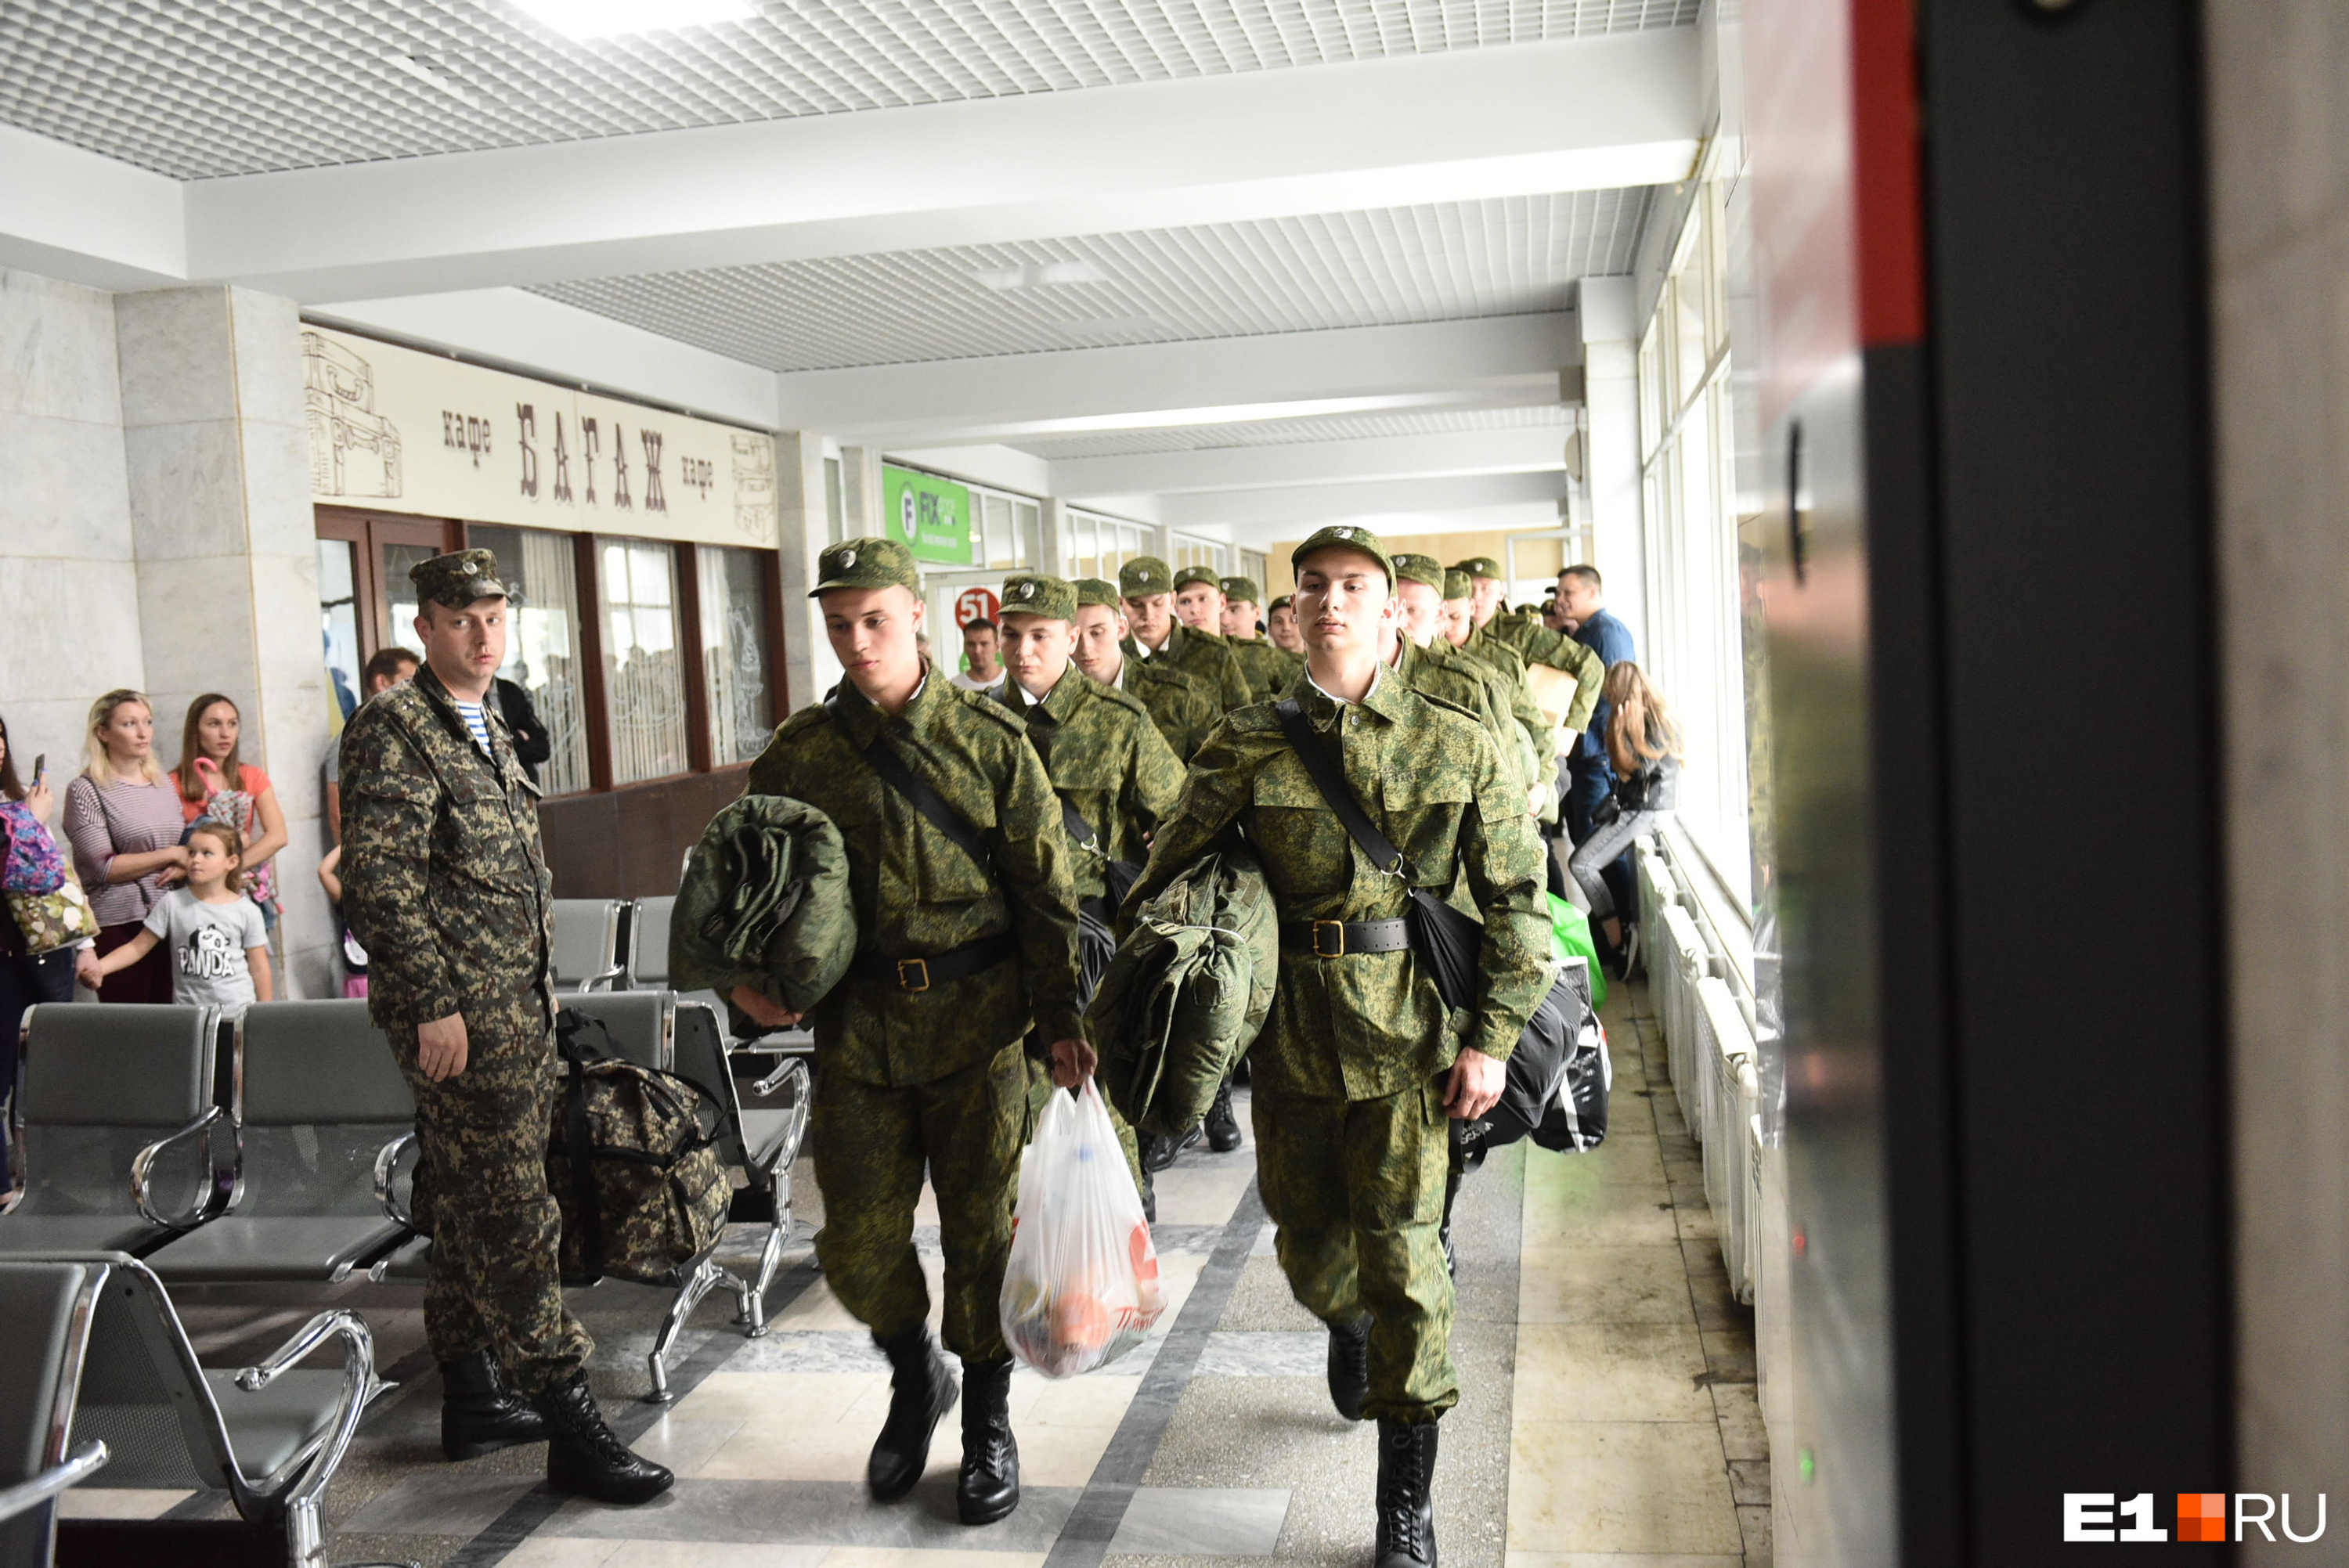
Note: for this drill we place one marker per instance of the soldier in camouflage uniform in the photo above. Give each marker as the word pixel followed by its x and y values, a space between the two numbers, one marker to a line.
pixel 1359 1065
pixel 1415 651
pixel 443 880
pixel 1184 709
pixel 1156 636
pixel 1108 762
pixel 1460 632
pixel 918 1051
pixel 1280 625
pixel 1270 670
pixel 1533 643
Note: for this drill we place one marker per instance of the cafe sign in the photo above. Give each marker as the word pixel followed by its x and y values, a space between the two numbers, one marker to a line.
pixel 394 430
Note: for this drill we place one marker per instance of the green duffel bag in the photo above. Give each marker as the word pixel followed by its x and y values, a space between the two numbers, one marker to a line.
pixel 764 903
pixel 1187 993
pixel 1570 937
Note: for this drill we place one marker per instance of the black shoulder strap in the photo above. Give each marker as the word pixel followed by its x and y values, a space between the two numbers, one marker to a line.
pixel 1331 779
pixel 1081 832
pixel 906 782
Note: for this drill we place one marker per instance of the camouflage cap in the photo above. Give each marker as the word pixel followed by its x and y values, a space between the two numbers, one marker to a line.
pixel 1459 584
pixel 1190 575
pixel 1411 568
pixel 1098 591
pixel 457 579
pixel 1242 591
pixel 1284 601
pixel 1478 566
pixel 1034 593
pixel 866 563
pixel 1346 536
pixel 1143 575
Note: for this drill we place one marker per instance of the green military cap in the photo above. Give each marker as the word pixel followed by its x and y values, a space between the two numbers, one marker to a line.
pixel 1458 584
pixel 1035 594
pixel 1098 591
pixel 1242 591
pixel 1283 602
pixel 1478 566
pixel 1410 568
pixel 457 579
pixel 866 563
pixel 1346 536
pixel 1143 575
pixel 1190 575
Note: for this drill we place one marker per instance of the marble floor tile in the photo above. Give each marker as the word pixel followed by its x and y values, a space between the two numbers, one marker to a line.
pixel 1624 1560
pixel 1603 1285
pixel 713 1554
pixel 119 1503
pixel 818 1514
pixel 1202 1521
pixel 683 1443
pixel 1742 1434
pixel 1261 1354
pixel 915 1557
pixel 545 1552
pixel 1622 1486
pixel 1203 1191
pixel 1582 1210
pixel 812 1350
pixel 1613 1372
pixel 443 1504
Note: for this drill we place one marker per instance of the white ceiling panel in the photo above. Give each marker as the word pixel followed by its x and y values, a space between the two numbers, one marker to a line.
pixel 197 88
pixel 1293 432
pixel 1444 262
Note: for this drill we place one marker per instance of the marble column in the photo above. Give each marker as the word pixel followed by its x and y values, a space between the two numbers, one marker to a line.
pixel 810 666
pixel 217 462
pixel 1611 369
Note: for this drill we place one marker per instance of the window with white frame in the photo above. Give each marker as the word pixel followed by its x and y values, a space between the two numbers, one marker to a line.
pixel 1097 546
pixel 1190 550
pixel 1695 656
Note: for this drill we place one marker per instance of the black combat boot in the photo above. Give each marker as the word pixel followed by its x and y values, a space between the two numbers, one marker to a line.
pixel 586 1457
pixel 1406 1510
pixel 921 1391
pixel 1223 1127
pixel 989 1487
pixel 1157 1153
pixel 1349 1367
pixel 479 1413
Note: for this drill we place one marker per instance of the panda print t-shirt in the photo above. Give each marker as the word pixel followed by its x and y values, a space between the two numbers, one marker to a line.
pixel 207 943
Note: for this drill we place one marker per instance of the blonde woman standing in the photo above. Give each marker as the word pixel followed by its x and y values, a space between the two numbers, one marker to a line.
pixel 124 821
pixel 1644 746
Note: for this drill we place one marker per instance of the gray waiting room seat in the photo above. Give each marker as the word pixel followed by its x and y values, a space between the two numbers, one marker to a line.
pixel 584 954
pixel 48 1307
pixel 319 1105
pixel 116 1143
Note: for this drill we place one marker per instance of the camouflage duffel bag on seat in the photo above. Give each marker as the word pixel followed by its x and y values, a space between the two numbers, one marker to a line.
pixel 648 1199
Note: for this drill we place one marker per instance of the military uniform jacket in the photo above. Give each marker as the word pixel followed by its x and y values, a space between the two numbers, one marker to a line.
pixel 1204 657
pixel 1372 1025
pixel 443 880
pixel 1268 669
pixel 1184 709
pixel 1536 644
pixel 1105 757
pixel 1509 667
pixel 1441 672
pixel 917 893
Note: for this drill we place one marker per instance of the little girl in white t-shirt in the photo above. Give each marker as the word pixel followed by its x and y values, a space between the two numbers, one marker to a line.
pixel 218 940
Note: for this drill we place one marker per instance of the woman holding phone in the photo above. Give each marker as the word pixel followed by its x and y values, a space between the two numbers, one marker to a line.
pixel 30 863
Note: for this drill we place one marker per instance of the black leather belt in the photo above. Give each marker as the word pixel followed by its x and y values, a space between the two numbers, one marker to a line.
pixel 1344 938
pixel 938 968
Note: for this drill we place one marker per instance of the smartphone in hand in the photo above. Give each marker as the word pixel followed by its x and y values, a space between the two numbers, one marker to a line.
pixel 40 768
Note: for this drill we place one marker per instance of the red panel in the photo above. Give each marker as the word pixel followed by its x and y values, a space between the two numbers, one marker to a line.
pixel 1885 162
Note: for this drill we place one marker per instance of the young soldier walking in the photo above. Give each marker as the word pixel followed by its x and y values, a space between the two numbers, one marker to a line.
pixel 1269 670
pixel 1184 709
pixel 967 932
pixel 1356 1070
pixel 443 880
pixel 1157 637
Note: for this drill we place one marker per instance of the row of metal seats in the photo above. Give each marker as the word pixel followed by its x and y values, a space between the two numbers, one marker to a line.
pixel 609 945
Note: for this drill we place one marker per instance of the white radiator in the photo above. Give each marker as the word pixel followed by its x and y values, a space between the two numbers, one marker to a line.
pixel 1681 963
pixel 1745 1274
pixel 1728 1056
pixel 1658 892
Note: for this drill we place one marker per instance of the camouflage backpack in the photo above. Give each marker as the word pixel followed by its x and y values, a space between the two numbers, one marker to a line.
pixel 648 1200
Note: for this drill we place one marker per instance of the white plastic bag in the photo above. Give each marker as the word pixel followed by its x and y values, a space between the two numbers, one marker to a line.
pixel 1082 1288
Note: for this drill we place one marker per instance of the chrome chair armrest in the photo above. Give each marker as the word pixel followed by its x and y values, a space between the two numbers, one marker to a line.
pixel 217 1197
pixel 604 979
pixel 80 1466
pixel 780 1077
pixel 778 1157
pixel 359 1387
pixel 386 1161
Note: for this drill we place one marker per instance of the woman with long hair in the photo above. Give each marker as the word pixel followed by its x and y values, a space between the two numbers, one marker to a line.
pixel 124 821
pixel 1644 746
pixel 213 780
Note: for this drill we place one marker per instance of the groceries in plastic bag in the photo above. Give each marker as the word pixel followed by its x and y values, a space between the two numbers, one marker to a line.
pixel 1082 1288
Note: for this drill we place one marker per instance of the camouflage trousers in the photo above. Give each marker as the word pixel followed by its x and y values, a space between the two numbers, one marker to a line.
pixel 1039 1094
pixel 872 1144
pixel 1355 1188
pixel 495 1281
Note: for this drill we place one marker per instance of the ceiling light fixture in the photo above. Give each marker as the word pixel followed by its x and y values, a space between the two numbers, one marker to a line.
pixel 1040 274
pixel 587 19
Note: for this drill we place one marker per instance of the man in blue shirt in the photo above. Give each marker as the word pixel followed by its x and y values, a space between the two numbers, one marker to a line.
pixel 1581 595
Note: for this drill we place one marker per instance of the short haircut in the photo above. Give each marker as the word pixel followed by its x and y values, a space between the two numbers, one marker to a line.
pixel 383 665
pixel 978 623
pixel 1588 573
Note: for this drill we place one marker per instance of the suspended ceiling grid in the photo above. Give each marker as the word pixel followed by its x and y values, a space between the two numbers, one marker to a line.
pixel 200 89
pixel 1446 261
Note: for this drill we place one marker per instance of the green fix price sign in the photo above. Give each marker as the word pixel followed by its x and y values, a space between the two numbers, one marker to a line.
pixel 929 515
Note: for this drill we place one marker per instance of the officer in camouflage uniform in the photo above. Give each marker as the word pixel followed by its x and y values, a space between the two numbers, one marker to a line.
pixel 1184 709
pixel 918 1051
pixel 1269 670
pixel 443 882
pixel 1156 636
pixel 1108 762
pixel 1359 1066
